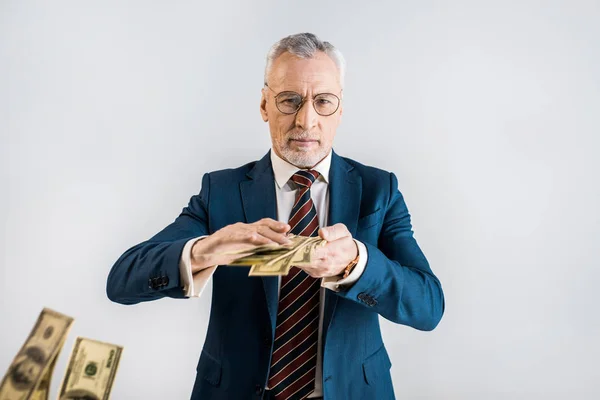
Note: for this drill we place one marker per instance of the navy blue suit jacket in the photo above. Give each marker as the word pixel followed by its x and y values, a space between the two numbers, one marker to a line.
pixel 397 282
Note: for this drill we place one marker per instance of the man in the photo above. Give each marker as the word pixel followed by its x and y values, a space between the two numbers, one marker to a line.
pixel 315 332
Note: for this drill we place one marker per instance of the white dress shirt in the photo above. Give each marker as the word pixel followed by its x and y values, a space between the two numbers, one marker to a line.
pixel 193 285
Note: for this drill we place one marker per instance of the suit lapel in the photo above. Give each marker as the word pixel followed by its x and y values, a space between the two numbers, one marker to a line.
pixel 345 190
pixel 259 201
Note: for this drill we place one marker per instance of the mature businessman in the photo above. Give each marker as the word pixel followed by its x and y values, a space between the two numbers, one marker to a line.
pixel 315 332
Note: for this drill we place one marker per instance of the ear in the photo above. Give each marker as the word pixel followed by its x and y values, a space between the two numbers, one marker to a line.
pixel 339 113
pixel 263 106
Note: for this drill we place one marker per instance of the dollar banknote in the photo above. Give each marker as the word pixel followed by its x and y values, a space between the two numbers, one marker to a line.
pixel 91 370
pixel 266 253
pixel 305 255
pixel 279 265
pixel 28 377
pixel 302 253
pixel 267 248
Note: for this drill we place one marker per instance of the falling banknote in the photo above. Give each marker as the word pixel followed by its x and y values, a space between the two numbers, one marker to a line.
pixel 91 370
pixel 28 377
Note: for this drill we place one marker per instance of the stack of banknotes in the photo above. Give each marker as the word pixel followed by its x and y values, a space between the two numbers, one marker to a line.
pixel 90 372
pixel 275 259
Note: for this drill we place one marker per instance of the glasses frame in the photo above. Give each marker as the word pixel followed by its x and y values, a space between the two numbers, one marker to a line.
pixel 304 101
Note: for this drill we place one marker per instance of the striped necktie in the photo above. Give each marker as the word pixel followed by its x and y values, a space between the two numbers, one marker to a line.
pixel 294 359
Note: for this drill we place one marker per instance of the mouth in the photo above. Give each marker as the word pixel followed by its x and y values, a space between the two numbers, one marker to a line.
pixel 304 144
pixel 304 140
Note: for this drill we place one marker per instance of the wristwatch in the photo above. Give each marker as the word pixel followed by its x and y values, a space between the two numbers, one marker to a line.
pixel 350 266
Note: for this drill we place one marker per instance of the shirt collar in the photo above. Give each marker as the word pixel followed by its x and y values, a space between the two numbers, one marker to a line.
pixel 284 171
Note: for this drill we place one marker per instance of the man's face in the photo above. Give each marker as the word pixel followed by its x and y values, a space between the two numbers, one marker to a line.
pixel 25 372
pixel 305 138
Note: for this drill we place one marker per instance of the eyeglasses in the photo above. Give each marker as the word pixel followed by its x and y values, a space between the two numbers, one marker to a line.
pixel 289 102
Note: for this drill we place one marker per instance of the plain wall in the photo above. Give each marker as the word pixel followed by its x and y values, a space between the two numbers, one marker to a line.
pixel 487 111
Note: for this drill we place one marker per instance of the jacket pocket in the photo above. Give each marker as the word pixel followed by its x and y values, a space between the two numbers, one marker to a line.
pixel 376 366
pixel 209 369
pixel 369 220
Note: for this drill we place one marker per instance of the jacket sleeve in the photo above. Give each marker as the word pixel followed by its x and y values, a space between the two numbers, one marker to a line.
pixel 150 270
pixel 397 282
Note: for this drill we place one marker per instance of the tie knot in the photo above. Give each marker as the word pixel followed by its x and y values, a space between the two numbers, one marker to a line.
pixel 305 178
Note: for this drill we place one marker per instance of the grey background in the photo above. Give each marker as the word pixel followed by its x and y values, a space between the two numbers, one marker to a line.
pixel 111 111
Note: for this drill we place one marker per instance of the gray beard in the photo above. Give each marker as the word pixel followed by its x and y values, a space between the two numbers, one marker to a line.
pixel 303 159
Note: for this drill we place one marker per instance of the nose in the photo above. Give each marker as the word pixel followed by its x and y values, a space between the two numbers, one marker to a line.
pixel 306 117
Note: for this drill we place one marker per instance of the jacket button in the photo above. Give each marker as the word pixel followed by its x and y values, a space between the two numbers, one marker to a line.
pixel 154 283
pixel 165 280
pixel 361 296
pixel 369 301
pixel 259 390
pixel 150 283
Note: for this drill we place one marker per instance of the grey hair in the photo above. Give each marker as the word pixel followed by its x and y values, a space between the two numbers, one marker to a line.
pixel 305 45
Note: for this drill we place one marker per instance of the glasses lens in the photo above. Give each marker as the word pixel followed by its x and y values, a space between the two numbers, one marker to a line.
pixel 326 103
pixel 288 102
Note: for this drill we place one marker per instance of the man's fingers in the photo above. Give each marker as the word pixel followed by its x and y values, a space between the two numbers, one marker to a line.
pixel 317 270
pixel 334 232
pixel 258 239
pixel 277 237
pixel 274 225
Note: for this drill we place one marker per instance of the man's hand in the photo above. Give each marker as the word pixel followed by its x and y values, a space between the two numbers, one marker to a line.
pixel 332 259
pixel 207 252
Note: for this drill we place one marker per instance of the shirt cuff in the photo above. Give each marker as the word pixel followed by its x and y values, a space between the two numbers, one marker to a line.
pixel 193 284
pixel 335 283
